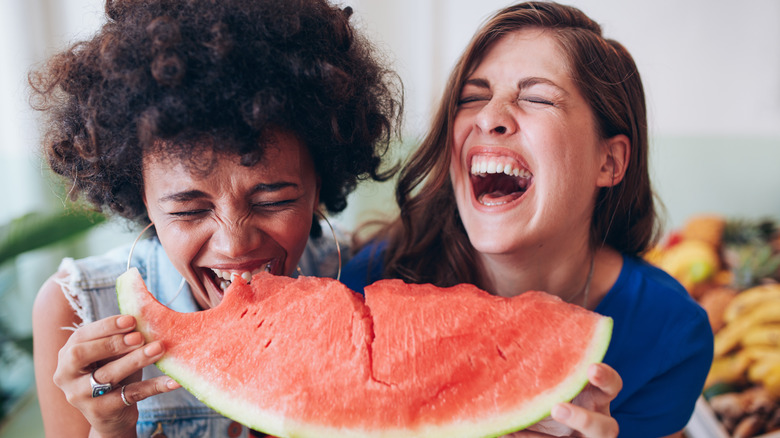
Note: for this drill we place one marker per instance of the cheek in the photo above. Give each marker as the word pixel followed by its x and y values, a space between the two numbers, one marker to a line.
pixel 181 243
pixel 291 231
pixel 459 134
pixel 458 139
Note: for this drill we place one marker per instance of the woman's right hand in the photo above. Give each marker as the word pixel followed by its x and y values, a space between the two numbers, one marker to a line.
pixel 116 353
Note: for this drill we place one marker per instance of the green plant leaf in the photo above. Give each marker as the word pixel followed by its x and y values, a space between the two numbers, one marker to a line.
pixel 37 229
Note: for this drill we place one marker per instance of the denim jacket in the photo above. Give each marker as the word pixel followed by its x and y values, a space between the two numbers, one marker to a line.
pixel 90 287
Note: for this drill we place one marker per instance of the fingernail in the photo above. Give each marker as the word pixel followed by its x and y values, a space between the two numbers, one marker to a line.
pixel 133 338
pixel 172 384
pixel 125 321
pixel 561 412
pixel 153 349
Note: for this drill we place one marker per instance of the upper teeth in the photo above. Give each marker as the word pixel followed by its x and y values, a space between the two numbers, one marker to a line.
pixel 227 276
pixel 484 165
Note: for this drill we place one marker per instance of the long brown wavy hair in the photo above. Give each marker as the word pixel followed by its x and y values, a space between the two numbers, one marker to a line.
pixel 428 244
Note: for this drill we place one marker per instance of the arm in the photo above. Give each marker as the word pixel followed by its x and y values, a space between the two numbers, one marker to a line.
pixel 51 312
pixel 64 360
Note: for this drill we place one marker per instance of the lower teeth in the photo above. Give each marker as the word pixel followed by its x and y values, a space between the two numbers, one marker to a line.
pixel 482 201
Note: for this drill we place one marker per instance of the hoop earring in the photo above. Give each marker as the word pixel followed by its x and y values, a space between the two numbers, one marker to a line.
pixel 335 239
pixel 130 257
pixel 132 248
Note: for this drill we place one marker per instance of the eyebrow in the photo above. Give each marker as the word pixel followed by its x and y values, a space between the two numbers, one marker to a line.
pixel 190 195
pixel 521 84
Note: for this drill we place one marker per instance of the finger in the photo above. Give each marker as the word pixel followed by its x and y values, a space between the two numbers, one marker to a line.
pixel 80 357
pixel 607 380
pixel 135 392
pixel 103 327
pixel 119 369
pixel 589 423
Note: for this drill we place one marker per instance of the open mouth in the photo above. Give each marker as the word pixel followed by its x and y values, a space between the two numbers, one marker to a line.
pixel 223 278
pixel 498 180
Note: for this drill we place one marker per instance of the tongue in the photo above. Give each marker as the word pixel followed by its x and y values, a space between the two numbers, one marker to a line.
pixel 498 197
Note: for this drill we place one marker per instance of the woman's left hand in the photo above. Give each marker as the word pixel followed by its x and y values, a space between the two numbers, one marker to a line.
pixel 588 414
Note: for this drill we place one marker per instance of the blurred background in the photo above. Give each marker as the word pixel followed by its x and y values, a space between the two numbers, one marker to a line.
pixel 711 70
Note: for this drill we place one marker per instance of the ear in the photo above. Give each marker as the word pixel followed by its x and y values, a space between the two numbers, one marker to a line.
pixel 615 153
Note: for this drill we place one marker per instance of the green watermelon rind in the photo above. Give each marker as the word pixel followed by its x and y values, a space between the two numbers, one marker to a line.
pixel 229 403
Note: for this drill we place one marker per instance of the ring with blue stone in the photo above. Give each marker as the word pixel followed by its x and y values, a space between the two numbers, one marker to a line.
pixel 99 389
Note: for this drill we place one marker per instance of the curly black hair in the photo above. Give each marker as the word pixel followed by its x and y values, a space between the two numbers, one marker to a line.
pixel 231 70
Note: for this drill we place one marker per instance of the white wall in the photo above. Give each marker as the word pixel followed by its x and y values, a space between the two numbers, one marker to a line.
pixel 711 70
pixel 31 30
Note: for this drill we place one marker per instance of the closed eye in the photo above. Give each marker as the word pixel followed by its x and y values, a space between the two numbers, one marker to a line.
pixel 538 100
pixel 472 99
pixel 188 213
pixel 274 204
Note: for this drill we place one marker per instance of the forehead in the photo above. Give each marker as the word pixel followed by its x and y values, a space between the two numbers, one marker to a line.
pixel 530 51
pixel 282 156
pixel 203 153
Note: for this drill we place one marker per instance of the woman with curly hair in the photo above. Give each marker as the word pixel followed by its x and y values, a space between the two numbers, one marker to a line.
pixel 534 176
pixel 227 124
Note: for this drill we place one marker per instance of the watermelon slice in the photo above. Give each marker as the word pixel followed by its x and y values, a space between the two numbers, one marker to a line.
pixel 308 357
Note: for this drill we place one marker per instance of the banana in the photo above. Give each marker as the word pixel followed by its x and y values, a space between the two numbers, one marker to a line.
pixel 763 366
pixel 727 369
pixel 730 335
pixel 771 381
pixel 765 334
pixel 749 299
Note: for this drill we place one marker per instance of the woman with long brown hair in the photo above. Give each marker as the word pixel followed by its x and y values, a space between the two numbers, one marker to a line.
pixel 534 176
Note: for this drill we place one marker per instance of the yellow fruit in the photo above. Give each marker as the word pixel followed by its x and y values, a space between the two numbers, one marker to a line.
pixel 765 334
pixel 750 298
pixel 690 261
pixel 771 381
pixel 731 335
pixel 727 369
pixel 763 366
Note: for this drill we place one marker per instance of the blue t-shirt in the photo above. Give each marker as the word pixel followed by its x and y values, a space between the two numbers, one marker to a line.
pixel 661 346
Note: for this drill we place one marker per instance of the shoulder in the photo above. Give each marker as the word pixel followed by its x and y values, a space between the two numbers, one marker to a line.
pixel 50 307
pixel 642 284
pixel 365 267
pixel 88 284
pixel 649 304
pixel 661 346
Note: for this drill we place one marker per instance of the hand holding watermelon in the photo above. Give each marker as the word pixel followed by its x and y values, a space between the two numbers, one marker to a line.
pixel 588 413
pixel 109 351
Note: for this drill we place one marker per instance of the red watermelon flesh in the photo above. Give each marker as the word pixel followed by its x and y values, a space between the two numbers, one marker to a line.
pixel 307 357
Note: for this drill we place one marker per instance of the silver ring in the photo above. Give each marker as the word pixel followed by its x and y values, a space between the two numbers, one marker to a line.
pixel 99 389
pixel 124 399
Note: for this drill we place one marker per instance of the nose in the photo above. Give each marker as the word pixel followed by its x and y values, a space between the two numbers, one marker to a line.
pixel 496 117
pixel 236 239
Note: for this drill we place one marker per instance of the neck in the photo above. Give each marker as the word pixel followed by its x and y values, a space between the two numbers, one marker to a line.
pixel 567 274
